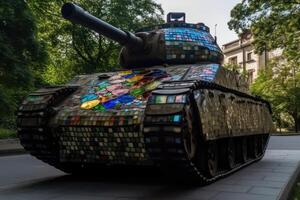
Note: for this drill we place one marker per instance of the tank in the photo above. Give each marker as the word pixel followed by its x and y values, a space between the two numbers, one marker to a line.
pixel 173 107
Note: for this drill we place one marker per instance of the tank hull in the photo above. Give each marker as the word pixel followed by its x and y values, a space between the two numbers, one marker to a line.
pixel 197 129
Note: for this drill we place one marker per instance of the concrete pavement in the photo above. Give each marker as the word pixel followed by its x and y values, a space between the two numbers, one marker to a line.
pixel 284 142
pixel 24 177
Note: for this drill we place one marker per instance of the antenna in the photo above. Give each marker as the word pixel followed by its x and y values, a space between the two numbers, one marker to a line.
pixel 216 33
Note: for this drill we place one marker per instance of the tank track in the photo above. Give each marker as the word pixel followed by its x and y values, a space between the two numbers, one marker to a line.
pixel 172 156
pixel 38 137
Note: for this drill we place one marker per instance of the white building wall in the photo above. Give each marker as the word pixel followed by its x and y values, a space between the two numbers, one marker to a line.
pixel 255 64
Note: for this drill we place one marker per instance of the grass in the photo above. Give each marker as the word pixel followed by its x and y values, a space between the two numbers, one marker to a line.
pixel 296 191
pixel 7 133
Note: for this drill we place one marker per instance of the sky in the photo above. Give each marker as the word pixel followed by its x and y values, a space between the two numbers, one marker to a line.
pixel 210 12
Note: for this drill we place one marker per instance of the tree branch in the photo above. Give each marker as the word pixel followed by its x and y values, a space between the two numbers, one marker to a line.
pixel 100 49
pixel 77 49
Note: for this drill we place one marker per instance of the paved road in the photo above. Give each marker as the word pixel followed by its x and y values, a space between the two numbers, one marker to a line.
pixel 284 143
pixel 23 177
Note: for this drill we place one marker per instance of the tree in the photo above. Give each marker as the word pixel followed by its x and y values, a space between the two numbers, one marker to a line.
pixel 280 85
pixel 74 49
pixel 22 56
pixel 233 67
pixel 274 24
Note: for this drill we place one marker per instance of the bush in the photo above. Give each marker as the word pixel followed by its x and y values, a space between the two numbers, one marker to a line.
pixel 7 133
pixel 8 123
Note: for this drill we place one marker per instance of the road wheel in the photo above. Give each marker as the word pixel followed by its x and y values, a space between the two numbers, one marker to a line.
pixel 231 153
pixel 244 149
pixel 254 146
pixel 261 144
pixel 189 138
pixel 212 158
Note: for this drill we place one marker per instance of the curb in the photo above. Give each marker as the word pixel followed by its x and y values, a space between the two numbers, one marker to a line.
pixel 9 141
pixel 285 134
pixel 286 192
pixel 13 147
pixel 9 152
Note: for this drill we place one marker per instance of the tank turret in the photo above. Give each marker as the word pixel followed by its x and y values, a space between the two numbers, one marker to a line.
pixel 175 42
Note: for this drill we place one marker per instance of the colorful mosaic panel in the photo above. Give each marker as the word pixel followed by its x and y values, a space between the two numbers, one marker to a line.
pixel 175 36
pixel 199 26
pixel 117 108
pixel 205 72
pixel 125 90
pixel 129 90
pixel 163 99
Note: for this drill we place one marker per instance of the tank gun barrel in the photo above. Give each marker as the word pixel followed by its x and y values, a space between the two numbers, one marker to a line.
pixel 78 15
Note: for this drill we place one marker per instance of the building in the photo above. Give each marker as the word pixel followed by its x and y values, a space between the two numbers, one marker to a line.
pixel 241 53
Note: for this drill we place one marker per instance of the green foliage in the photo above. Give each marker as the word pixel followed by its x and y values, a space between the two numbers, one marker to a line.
pixel 39 47
pixel 7 133
pixel 296 191
pixel 21 55
pixel 230 66
pixel 280 85
pixel 74 49
pixel 274 24
pixel 236 68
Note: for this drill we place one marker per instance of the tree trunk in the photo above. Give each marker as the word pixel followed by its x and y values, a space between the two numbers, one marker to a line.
pixel 297 127
pixel 279 124
pixel 296 121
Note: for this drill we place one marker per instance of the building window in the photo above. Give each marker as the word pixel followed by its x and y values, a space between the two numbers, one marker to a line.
pixel 249 56
pixel 233 60
pixel 251 75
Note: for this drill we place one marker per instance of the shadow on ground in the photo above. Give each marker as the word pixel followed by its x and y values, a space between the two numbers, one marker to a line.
pixel 129 185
